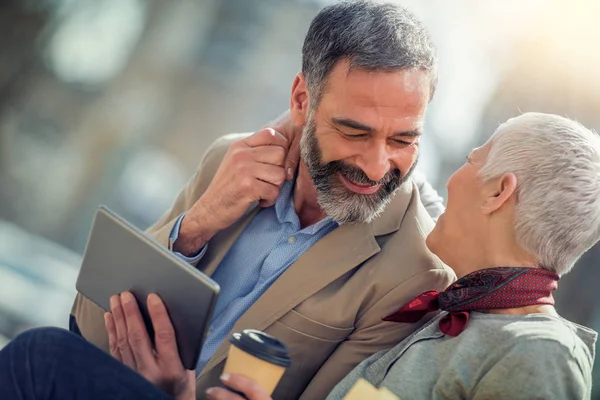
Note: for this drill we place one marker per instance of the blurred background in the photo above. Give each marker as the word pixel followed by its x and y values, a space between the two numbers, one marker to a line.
pixel 114 101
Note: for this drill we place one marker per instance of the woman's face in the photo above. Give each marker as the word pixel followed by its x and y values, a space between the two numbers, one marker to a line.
pixel 462 226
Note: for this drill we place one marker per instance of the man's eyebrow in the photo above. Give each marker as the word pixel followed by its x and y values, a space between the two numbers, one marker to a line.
pixel 408 133
pixel 352 124
pixel 359 126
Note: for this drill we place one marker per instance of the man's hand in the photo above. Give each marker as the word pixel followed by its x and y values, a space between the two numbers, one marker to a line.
pixel 251 389
pixel 129 342
pixel 284 125
pixel 253 170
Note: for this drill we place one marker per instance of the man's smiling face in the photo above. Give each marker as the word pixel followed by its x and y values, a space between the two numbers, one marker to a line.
pixel 362 140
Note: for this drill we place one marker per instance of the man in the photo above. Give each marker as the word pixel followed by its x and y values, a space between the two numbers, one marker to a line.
pixel 317 260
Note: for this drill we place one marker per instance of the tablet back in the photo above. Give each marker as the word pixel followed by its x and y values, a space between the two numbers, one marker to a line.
pixel 119 257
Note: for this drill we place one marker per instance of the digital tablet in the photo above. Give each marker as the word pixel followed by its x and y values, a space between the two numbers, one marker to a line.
pixel 119 257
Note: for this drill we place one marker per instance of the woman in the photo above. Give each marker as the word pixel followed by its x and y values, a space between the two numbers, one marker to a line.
pixel 521 211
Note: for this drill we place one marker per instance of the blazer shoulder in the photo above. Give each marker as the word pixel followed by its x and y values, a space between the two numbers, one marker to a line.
pixel 213 156
pixel 408 244
pixel 404 256
pixel 223 142
pixel 217 149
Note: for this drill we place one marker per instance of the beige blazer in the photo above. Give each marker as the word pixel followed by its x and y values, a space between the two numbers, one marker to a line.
pixel 328 305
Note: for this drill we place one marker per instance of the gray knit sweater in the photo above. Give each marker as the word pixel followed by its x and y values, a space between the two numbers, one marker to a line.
pixel 534 356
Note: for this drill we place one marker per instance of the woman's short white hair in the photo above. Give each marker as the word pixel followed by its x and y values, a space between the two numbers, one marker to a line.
pixel 557 165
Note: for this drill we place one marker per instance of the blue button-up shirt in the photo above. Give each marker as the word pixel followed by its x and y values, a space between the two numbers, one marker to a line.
pixel 271 242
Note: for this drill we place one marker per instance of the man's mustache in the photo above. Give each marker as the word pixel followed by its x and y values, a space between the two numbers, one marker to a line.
pixel 358 176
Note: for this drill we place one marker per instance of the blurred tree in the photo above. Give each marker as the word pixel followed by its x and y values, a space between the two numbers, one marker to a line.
pixel 20 26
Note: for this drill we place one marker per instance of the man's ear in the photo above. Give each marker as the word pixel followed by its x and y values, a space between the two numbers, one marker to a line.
pixel 498 191
pixel 299 101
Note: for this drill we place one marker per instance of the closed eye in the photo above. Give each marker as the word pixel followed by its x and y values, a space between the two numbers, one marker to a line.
pixel 402 142
pixel 354 136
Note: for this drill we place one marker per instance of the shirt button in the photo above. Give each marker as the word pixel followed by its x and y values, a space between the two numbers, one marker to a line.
pixel 292 240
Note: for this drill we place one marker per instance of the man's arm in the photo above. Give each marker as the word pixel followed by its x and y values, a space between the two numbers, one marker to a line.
pixel 372 334
pixel 196 186
pixel 235 172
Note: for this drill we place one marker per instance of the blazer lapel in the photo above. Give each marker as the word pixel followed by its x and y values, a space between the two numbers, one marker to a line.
pixel 337 253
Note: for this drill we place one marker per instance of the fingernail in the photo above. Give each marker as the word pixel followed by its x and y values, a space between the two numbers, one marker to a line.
pixel 290 173
pixel 153 299
pixel 126 297
pixel 225 377
pixel 210 390
pixel 106 317
pixel 114 301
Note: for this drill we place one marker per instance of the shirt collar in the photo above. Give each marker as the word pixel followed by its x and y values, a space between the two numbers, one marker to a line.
pixel 285 211
pixel 284 205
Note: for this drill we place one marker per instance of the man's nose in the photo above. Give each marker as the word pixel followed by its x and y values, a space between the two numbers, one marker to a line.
pixel 375 162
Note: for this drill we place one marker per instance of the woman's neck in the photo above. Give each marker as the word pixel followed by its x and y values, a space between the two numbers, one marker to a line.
pixel 496 253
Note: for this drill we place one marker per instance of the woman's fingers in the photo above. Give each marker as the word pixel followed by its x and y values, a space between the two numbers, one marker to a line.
pixel 164 334
pixel 112 336
pixel 121 329
pixel 217 393
pixel 250 388
pixel 137 335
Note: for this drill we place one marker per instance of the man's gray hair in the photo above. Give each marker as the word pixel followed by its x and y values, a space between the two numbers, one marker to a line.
pixel 557 165
pixel 371 35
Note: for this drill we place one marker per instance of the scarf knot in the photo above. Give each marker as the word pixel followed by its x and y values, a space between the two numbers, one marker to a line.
pixel 486 289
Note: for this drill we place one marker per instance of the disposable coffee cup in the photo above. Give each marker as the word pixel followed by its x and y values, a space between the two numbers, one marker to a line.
pixel 258 356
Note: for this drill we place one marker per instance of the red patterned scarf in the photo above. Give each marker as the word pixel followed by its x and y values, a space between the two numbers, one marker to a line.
pixel 486 289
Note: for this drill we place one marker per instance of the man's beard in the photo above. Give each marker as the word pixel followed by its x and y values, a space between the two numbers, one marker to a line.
pixel 339 202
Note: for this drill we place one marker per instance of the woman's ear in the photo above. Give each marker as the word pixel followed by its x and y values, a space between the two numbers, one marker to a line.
pixel 498 192
pixel 299 101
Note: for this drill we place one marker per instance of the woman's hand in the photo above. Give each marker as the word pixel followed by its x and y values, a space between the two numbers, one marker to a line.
pixel 129 342
pixel 251 389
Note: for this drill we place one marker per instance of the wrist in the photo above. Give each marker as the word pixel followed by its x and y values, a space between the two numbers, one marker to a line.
pixel 195 231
